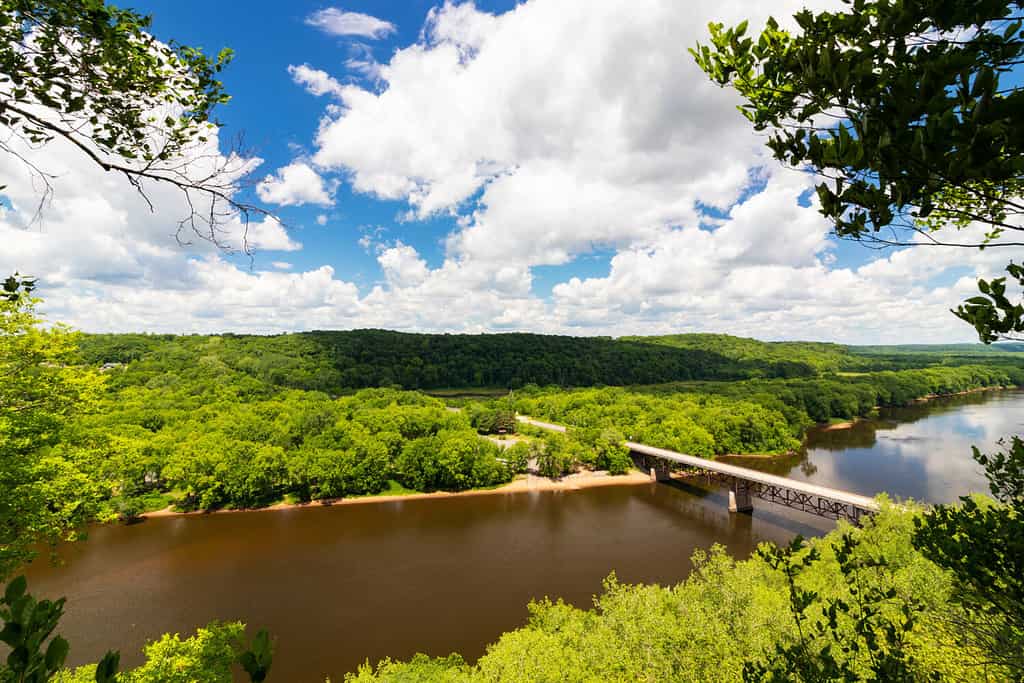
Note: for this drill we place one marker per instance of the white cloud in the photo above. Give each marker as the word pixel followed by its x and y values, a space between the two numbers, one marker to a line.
pixel 321 219
pixel 402 266
pixel 340 23
pixel 294 185
pixel 282 265
pixel 268 235
pixel 315 81
pixel 605 124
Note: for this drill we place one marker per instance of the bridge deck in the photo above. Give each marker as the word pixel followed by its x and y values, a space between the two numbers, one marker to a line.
pixel 853 499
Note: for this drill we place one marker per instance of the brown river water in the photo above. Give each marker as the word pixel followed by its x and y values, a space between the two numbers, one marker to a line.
pixel 339 585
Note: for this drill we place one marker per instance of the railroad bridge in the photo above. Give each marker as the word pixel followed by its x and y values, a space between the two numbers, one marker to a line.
pixel 746 484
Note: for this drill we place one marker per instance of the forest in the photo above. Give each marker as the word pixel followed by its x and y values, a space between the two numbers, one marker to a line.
pixel 188 422
pixel 336 362
pixel 203 423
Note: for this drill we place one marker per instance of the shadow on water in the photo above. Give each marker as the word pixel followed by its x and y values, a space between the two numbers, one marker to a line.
pixel 771 515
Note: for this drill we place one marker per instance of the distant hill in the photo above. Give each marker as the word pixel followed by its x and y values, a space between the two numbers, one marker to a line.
pixel 341 361
pixel 821 356
pixel 338 361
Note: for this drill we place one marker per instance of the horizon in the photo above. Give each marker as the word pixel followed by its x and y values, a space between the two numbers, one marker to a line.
pixel 994 346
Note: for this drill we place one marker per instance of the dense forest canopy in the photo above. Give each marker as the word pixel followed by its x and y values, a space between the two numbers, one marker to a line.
pixel 206 422
pixel 336 362
pixel 209 422
pixel 199 423
pixel 796 356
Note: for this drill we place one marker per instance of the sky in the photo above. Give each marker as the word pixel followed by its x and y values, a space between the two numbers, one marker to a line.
pixel 553 166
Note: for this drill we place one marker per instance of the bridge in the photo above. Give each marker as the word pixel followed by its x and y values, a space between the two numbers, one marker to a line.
pixel 746 484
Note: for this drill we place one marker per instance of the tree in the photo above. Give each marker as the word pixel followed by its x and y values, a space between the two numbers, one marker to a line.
pixel 825 649
pixel 982 544
pixel 92 75
pixel 37 655
pixel 41 498
pixel 903 109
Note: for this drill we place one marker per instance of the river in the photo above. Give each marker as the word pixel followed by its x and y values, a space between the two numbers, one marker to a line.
pixel 339 585
pixel 921 451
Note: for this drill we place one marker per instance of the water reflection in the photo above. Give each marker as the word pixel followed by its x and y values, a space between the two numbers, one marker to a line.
pixel 922 451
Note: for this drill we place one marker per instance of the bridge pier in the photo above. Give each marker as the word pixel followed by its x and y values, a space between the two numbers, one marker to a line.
pixel 740 499
pixel 660 469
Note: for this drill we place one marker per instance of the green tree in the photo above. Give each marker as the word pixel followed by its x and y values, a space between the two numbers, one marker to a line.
pixel 41 498
pixel 91 74
pixel 905 110
pixel 208 656
pixel 826 648
pixel 560 455
pixel 518 456
pixel 982 544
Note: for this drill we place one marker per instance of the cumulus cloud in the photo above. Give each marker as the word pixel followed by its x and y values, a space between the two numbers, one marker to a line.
pixel 294 185
pixel 267 235
pixel 334 21
pixel 315 81
pixel 605 124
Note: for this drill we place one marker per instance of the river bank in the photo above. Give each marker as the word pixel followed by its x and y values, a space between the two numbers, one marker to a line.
pixel 525 483
pixel 850 424
pixel 978 390
pixel 532 482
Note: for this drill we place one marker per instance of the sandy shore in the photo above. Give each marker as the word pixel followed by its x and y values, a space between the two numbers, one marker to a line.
pixel 529 482
pixel 840 425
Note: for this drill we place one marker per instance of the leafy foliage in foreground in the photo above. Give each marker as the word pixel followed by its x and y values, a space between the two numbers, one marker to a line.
pixel 41 497
pixel 982 544
pixel 208 656
pixel 37 654
pixel 94 77
pixel 909 111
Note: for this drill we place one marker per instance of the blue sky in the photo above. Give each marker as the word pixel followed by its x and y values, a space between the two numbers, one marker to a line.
pixel 554 166
pixel 277 116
